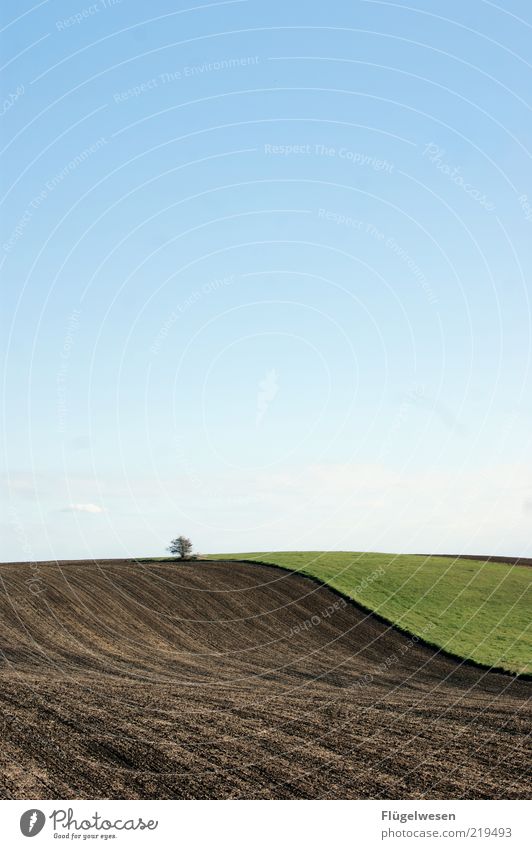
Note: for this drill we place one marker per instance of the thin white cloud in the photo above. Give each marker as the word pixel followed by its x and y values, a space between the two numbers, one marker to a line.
pixel 85 508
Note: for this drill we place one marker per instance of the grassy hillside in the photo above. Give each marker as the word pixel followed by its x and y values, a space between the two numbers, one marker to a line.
pixel 475 609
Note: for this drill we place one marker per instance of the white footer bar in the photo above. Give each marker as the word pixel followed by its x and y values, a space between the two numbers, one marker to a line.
pixel 264 825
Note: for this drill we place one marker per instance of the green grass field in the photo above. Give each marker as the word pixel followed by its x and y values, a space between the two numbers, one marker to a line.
pixel 474 609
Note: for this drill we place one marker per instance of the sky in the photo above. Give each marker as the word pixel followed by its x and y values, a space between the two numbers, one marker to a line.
pixel 265 277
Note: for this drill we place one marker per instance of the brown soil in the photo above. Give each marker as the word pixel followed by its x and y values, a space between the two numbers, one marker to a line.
pixel 512 561
pixel 229 680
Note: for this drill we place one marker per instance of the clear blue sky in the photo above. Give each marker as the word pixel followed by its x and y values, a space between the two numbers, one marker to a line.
pixel 265 276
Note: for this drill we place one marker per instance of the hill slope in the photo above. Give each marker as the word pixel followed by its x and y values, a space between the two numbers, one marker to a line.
pixel 221 679
pixel 474 608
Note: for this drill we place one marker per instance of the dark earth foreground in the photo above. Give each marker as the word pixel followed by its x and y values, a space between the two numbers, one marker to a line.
pixel 228 680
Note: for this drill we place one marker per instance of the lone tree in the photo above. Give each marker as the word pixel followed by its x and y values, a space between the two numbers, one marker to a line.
pixel 182 547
